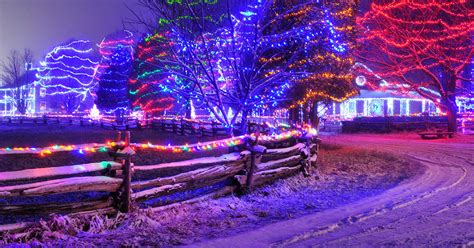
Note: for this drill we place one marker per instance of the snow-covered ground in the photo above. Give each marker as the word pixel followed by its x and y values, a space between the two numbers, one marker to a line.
pixel 435 208
pixel 359 198
pixel 344 175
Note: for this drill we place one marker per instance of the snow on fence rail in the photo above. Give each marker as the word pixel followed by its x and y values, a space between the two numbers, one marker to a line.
pixel 255 161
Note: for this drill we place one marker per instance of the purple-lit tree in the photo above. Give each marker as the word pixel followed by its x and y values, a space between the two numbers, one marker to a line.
pixel 68 75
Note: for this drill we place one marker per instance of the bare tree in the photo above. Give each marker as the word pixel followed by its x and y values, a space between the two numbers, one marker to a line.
pixel 15 75
pixel 424 46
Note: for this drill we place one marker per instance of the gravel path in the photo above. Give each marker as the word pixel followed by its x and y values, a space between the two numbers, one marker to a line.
pixel 435 208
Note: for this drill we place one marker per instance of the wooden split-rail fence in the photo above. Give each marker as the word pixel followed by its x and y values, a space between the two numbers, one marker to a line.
pixel 123 185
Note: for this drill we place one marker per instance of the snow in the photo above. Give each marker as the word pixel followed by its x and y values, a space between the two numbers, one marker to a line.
pixel 356 200
pixel 57 171
pixel 51 149
pixel 433 209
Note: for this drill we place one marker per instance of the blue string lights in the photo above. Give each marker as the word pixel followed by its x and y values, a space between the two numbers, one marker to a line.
pixel 116 65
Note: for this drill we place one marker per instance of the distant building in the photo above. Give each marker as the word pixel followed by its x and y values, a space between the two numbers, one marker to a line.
pixel 34 93
pixel 377 99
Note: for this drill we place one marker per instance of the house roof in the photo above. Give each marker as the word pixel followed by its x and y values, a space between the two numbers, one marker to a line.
pixel 387 94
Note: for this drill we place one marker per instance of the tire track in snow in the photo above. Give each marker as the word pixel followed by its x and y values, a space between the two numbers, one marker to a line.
pixel 463 164
pixel 418 211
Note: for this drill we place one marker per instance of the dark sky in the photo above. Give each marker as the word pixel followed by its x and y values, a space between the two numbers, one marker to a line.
pixel 43 24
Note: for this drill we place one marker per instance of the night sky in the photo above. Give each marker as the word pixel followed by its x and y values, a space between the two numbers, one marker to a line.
pixel 43 24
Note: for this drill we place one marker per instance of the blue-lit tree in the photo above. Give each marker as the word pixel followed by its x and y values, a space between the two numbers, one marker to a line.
pixel 114 70
pixel 246 55
pixel 217 55
pixel 68 75
pixel 112 95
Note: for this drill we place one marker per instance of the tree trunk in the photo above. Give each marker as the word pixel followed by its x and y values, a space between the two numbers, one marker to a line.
pixel 313 115
pixel 188 109
pixel 293 116
pixel 451 111
pixel 243 129
pixel 306 112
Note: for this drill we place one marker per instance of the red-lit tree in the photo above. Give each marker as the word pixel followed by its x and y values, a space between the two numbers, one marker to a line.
pixel 421 45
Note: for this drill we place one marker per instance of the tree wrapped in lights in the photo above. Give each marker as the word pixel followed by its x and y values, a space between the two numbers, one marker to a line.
pixel 322 72
pixel 113 73
pixel 112 95
pixel 422 46
pixel 68 75
pixel 217 55
pixel 145 90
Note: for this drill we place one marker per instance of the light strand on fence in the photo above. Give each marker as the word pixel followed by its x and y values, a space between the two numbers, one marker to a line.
pixel 96 147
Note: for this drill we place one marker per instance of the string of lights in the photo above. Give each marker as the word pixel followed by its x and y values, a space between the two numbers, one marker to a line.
pixel 96 147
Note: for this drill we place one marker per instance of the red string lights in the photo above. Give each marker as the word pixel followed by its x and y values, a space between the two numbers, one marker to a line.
pixel 424 46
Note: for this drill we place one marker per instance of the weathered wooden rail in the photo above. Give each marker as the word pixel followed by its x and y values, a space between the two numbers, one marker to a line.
pixel 121 185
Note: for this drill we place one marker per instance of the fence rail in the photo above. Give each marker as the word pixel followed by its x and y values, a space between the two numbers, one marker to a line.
pixel 118 183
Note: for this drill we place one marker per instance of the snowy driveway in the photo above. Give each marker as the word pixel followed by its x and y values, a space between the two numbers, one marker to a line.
pixel 433 209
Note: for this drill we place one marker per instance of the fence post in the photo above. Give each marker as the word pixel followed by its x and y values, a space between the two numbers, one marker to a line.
pixel 127 138
pixel 127 173
pixel 306 154
pixel 124 154
pixel 254 148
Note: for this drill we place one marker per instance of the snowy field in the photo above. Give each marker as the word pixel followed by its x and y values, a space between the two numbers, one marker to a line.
pixel 369 190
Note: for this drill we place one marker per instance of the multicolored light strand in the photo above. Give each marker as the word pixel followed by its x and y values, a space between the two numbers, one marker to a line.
pixel 96 147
